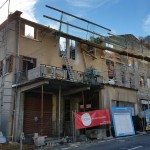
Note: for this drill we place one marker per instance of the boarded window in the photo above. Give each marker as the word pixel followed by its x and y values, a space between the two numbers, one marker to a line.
pixel 9 64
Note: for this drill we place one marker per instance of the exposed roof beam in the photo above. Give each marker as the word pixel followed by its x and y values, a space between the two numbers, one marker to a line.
pixel 100 47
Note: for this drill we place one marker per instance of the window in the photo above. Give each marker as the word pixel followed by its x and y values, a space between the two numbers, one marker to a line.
pixel 67 110
pixel 111 71
pixel 109 45
pixel 1 68
pixel 109 54
pixel 72 47
pixel 28 63
pixel 90 101
pixel 130 62
pixel 30 32
pixel 148 82
pixel 91 49
pixel 67 46
pixel 9 64
pixel 62 45
pixel 123 78
pixel 142 81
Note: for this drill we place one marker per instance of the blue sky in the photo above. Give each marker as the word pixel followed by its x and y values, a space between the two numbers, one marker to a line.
pixel 121 16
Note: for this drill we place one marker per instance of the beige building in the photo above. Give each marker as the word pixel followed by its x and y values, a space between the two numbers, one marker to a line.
pixel 44 77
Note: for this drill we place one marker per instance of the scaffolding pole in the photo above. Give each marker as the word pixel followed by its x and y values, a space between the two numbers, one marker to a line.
pixel 59 101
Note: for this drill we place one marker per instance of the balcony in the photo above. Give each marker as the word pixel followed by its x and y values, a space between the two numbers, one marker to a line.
pixel 53 72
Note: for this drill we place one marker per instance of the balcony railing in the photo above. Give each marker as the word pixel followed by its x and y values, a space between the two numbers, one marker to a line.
pixel 52 72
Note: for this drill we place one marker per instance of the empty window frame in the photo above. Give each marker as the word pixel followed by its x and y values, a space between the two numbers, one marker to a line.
pixel 67 110
pixel 28 63
pixel 109 45
pixel 67 46
pixel 30 31
pixel 109 54
pixel 142 81
pixel 148 82
pixel 72 48
pixel 130 62
pixel 123 78
pixel 91 49
pixel 9 64
pixel 111 71
pixel 62 45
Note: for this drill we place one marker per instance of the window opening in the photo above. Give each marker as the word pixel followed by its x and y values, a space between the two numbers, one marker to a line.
pixel 67 110
pixel 142 81
pixel 109 45
pixel 148 82
pixel 62 45
pixel 29 31
pixel 28 63
pixel 130 62
pixel 111 71
pixel 72 49
pixel 91 101
pixel 91 49
pixel 9 64
pixel 123 78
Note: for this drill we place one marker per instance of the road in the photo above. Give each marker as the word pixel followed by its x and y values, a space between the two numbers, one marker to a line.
pixel 137 142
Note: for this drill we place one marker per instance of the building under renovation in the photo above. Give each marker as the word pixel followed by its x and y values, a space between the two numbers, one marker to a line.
pixel 47 74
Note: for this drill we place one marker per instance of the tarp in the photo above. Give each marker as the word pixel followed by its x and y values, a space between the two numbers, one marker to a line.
pixel 91 118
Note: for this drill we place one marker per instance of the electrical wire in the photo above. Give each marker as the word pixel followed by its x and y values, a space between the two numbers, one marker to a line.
pixel 4 3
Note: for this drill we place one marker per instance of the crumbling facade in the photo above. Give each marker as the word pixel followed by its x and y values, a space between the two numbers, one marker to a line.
pixel 44 80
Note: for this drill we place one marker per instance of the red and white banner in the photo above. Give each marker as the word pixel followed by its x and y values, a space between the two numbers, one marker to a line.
pixel 92 118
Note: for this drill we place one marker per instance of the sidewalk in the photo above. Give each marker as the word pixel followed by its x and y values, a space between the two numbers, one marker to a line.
pixel 88 143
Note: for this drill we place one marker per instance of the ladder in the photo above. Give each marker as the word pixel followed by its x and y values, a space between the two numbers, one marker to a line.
pixel 68 66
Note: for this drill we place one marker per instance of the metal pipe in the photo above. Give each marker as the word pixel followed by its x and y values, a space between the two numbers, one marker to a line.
pixel 77 17
pixel 72 25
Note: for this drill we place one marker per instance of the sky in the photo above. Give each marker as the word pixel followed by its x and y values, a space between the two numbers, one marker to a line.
pixel 121 16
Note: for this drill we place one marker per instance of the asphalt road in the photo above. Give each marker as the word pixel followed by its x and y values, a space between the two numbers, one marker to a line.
pixel 137 142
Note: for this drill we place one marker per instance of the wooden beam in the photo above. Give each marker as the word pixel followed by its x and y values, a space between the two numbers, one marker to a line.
pixel 75 91
pixel 102 48
pixel 33 85
pixel 89 53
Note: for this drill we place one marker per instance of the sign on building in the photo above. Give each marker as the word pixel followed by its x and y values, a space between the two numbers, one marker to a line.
pixel 122 121
pixel 92 118
pixel 147 113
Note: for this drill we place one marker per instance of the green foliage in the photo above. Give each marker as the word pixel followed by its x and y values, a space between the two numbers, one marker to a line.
pixel 96 40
